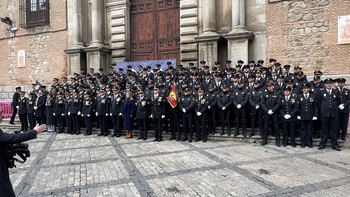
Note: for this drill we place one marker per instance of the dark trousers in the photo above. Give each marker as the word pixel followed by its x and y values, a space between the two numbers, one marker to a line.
pixel 102 123
pixel 158 128
pixel 211 120
pixel 142 123
pixel 289 129
pixel 24 122
pixel 201 126
pixel 187 125
pixel 343 125
pixel 174 123
pixel 88 125
pixel 241 115
pixel 117 129
pixel 306 132
pixel 60 121
pixel 31 120
pixel 75 123
pixel 274 125
pixel 14 112
pixel 330 126
pixel 225 117
pixel 68 124
pixel 257 115
pixel 39 120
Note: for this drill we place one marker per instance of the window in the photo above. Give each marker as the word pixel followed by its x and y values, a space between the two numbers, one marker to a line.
pixel 34 13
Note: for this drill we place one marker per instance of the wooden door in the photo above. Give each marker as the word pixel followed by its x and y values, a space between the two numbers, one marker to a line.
pixel 155 29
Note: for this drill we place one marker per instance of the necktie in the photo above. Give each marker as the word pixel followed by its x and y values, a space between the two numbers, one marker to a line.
pixel 306 96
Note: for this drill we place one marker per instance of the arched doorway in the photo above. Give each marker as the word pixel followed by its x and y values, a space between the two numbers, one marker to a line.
pixel 155 29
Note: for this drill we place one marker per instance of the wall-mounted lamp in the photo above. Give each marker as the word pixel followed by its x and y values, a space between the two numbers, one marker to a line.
pixel 6 20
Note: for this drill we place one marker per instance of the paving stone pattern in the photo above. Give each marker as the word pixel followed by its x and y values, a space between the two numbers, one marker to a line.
pixel 70 165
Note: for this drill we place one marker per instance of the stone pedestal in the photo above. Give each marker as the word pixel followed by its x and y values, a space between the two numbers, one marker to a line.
pixel 208 47
pixel 238 40
pixel 98 57
pixel 74 60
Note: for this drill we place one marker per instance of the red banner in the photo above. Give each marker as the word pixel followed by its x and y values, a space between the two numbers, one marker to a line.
pixel 172 98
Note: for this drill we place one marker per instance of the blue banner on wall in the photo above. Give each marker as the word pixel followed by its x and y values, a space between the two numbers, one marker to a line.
pixel 151 63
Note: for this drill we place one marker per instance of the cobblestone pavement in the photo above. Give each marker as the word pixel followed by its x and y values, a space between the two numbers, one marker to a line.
pixel 76 165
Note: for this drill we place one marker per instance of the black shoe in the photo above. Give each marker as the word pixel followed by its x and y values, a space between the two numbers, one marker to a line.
pixel 184 139
pixel 284 144
pixel 100 134
pixel 321 147
pixel 278 144
pixel 171 138
pixel 205 139
pixel 343 138
pixel 294 145
pixel 336 148
pixel 140 138
pixel 190 140
pixel 77 133
pixel 114 134
pixel 178 139
pixel 302 146
pixel 310 146
pixel 155 140
pixel 159 139
pixel 85 134
pixel 144 138
pixel 263 143
pixel 11 123
pixel 197 139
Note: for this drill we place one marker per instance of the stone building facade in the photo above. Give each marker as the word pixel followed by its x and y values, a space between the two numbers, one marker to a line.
pixel 98 33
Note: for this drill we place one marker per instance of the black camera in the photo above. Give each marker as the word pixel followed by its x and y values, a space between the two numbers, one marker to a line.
pixel 19 149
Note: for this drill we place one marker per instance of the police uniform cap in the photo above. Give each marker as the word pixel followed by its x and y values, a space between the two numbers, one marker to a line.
pixel 155 88
pixel 251 76
pixel 272 60
pixel 108 86
pixel 200 90
pixel 120 69
pixel 273 71
pixel 318 72
pixel 224 86
pixel 258 71
pixel 230 69
pixel 317 78
pixel 261 61
pixel 287 66
pixel 91 68
pixel 217 63
pixel 341 80
pixel 102 89
pixel 73 78
pixel 187 90
pixel 210 86
pixel 141 92
pixel 194 74
pixel 171 68
pixel 328 81
pixel 297 67
pixel 270 84
pixel 218 75
pixel 207 74
pixel 228 61
pixel 43 86
pixel 18 88
pixel 245 67
pixel 55 79
pixel 240 62
pixel 251 61
pixel 289 81
pixel 115 89
pixel 59 93
pixel 301 73
pixel 278 64
pixel 22 92
pixel 203 62
pixel 31 93
pixel 287 88
pixel 129 66
pixel 206 67
pixel 306 85
pixel 168 63
pixel 148 67
pixel 158 65
pixel 280 77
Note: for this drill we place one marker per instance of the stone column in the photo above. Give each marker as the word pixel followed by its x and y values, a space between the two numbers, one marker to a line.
pixel 77 23
pixel 97 27
pixel 238 38
pixel 209 17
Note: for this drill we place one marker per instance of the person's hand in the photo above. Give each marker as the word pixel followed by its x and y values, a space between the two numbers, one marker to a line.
pixel 17 107
pixel 35 108
pixel 96 113
pixel 341 106
pixel 151 116
pixel 88 115
pixel 120 114
pixel 82 115
pixel 270 112
pixel 199 113
pixel 79 113
pixel 287 116
pixel 183 110
pixel 54 114
pixel 209 107
pixel 40 128
pixel 69 113
pixel 298 117
pixel 163 116
pixel 314 118
pixel 106 114
pixel 257 107
pixel 62 115
pixel 223 108
pixel 239 106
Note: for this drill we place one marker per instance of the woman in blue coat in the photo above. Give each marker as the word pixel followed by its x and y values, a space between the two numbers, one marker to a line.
pixel 129 111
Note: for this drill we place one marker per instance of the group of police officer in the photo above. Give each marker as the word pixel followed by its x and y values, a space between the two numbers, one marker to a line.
pixel 205 97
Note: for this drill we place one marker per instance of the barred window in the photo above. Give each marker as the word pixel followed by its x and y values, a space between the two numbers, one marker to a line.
pixel 34 13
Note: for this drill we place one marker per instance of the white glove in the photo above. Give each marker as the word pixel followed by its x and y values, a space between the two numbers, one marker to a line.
pixel 79 113
pixel 270 112
pixel 35 108
pixel 82 115
pixel 314 118
pixel 110 114
pixel 257 107
pixel 298 117
pixel 68 113
pixel 120 114
pixel 183 110
pixel 163 116
pixel 96 113
pixel 151 116
pixel 106 114
pixel 88 115
pixel 223 108
pixel 54 114
pixel 239 106
pixel 209 107
pixel 287 116
pixel 341 106
pixel 199 113
pixel 17 107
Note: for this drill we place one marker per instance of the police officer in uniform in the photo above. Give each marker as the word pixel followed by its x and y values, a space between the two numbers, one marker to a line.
pixel 186 105
pixel 101 112
pixel 86 111
pixel 157 113
pixel 115 112
pixel 58 111
pixel 240 100
pixel 201 116
pixel 224 102
pixel 344 97
pixel 212 109
pixel 288 111
pixel 142 112
pixel 255 102
pixel 270 103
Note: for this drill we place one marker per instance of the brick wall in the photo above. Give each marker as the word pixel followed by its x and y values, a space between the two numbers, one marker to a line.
pixel 304 33
pixel 45 58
